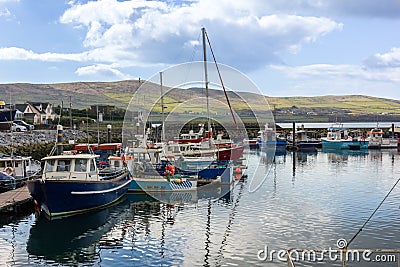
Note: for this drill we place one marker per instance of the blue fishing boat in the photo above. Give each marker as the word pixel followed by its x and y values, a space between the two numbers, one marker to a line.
pixel 162 184
pixel 71 183
pixel 142 164
pixel 339 137
pixel 270 140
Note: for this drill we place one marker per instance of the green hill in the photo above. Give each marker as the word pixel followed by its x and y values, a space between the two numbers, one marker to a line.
pixel 85 94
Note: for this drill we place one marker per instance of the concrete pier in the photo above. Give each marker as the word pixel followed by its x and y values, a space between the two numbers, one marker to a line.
pixel 16 200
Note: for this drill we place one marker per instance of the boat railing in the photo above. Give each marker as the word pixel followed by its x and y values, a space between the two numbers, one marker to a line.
pixel 106 174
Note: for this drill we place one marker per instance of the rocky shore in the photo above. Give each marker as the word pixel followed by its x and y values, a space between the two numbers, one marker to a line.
pixel 37 136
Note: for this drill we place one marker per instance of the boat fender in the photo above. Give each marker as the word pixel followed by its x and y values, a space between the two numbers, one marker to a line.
pixel 170 169
pixel 123 159
pixel 345 137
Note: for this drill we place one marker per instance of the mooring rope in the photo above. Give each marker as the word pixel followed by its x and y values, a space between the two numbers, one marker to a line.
pixel 380 204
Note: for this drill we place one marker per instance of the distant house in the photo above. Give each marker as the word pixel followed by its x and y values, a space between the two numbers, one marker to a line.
pixel 39 113
pixel 19 114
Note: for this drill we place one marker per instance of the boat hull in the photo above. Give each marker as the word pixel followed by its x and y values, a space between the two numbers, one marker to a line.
pixel 66 197
pixel 232 153
pixel 213 171
pixel 307 146
pixel 161 185
pixel 343 144
pixel 270 145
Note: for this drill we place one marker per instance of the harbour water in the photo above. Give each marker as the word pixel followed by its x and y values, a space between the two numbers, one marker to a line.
pixel 307 201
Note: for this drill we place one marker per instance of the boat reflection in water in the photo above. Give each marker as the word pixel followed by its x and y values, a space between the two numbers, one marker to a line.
pixel 74 239
pixel 88 239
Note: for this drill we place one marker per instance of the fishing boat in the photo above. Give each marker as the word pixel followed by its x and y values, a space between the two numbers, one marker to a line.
pixel 338 137
pixel 303 141
pixel 269 140
pixel 72 183
pixel 375 136
pixel 377 141
pixel 16 170
pixel 251 143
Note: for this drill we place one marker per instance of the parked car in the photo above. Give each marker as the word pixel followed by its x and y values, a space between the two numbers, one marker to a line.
pixel 28 126
pixel 18 128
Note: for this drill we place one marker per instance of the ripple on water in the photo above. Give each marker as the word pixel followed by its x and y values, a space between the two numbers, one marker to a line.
pixel 306 205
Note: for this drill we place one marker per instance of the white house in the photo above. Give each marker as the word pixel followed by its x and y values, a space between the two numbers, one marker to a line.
pixel 39 113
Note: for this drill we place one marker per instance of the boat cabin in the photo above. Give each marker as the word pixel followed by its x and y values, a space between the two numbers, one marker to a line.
pixel 17 166
pixel 338 133
pixel 71 167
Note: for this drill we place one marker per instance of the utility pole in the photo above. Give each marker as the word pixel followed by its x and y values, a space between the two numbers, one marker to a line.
pixel 70 113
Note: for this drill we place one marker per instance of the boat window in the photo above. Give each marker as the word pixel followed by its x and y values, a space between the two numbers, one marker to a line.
pixel 63 165
pixel 80 165
pixel 92 166
pixel 117 164
pixel 49 165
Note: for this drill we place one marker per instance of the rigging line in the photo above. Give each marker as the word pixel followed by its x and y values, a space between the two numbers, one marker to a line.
pixel 380 204
pixel 223 86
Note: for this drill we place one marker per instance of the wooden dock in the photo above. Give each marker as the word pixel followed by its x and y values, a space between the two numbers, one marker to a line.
pixel 14 200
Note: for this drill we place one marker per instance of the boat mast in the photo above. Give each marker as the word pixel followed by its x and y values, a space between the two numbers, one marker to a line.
pixel 203 31
pixel 162 109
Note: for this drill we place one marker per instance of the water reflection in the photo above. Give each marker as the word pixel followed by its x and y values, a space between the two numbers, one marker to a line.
pixel 73 239
pixel 331 197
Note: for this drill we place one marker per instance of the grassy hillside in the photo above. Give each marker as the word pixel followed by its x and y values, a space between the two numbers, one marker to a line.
pixel 355 104
pixel 84 94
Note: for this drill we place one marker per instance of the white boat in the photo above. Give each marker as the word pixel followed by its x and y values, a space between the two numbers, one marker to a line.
pixel 377 141
pixel 16 170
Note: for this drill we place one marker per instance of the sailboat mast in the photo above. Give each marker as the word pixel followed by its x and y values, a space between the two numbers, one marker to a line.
pixel 162 109
pixel 203 31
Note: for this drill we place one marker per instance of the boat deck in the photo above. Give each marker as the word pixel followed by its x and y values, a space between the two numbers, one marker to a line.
pixel 14 200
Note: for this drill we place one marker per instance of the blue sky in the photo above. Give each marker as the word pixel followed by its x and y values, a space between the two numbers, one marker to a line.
pixel 287 48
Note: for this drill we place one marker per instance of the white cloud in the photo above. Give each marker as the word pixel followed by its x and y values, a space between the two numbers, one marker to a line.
pixel 327 71
pixel 244 34
pixel 101 70
pixel 16 53
pixel 322 79
pixel 4 12
pixel 156 32
pixel 387 60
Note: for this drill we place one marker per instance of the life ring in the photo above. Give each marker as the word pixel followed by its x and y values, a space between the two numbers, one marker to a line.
pixel 9 171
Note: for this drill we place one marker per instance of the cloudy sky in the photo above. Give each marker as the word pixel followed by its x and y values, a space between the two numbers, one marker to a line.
pixel 296 47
